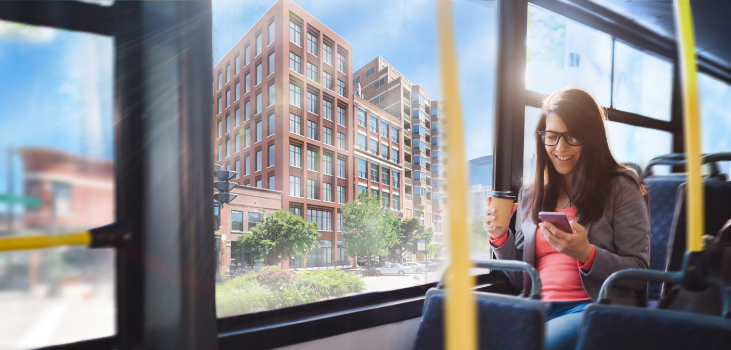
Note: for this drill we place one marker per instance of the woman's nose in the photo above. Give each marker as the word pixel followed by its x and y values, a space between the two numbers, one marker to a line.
pixel 561 144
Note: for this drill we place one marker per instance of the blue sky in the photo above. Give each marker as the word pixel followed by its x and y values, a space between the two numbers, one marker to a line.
pixel 404 33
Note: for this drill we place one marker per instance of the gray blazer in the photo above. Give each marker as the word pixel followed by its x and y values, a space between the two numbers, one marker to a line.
pixel 621 237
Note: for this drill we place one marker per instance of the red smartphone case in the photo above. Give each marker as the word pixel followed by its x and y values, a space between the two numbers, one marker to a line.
pixel 557 219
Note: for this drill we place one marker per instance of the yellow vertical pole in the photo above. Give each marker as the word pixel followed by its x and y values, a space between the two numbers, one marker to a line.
pixel 691 119
pixel 461 316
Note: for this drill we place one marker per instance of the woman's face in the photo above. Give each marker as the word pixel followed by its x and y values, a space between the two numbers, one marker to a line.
pixel 563 155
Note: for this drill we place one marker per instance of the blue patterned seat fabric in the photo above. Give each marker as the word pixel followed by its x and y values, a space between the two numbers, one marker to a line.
pixel 630 328
pixel 505 322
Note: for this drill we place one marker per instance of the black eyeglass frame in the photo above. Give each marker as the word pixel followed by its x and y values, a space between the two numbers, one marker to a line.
pixel 560 135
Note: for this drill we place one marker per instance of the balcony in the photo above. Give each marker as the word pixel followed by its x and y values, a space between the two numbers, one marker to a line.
pixel 409 181
pixel 408 165
pixel 407 132
pixel 407 149
pixel 409 197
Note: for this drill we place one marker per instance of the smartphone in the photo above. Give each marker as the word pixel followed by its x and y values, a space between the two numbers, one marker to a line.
pixel 557 219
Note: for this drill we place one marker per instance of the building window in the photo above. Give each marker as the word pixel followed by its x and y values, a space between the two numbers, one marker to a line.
pixel 374 193
pixel 327 80
pixel 327 135
pixel 237 220
pixel 270 64
pixel 258 183
pixel 228 147
pixel 238 168
pixel 220 152
pixel 362 169
pixel 219 106
pixel 374 146
pixel 327 164
pixel 384 151
pixel 247 137
pixel 238 116
pixel 341 168
pixel 312 44
pixel 341 245
pixel 295 63
pixel 258 44
pixel 361 117
pixel 311 102
pixel 312 189
pixel 385 176
pixel 370 71
pixel 237 144
pixel 394 155
pixel 312 160
pixel 396 202
pixel 247 110
pixel 258 103
pixel 327 192
pixel 380 82
pixel 258 161
pixel 237 66
pixel 228 123
pixel 341 116
pixel 228 73
pixel 311 72
pixel 341 88
pixel 295 33
pixel 295 95
pixel 356 81
pixel 247 165
pixel 220 128
pixel 327 54
pixel 238 90
pixel 271 182
pixel 295 156
pixel 258 131
pixel 378 99
pixel 258 74
pixel 323 219
pixel 312 130
pixel 270 34
pixel 361 141
pixel 247 83
pixel 374 173
pixel 254 219
pixel 271 124
pixel 220 81
pixel 295 186
pixel 341 194
pixel 394 134
pixel 228 98
pixel 270 95
pixel 374 124
pixel 385 200
pixel 271 155
pixel 342 143
pixel 247 55
pixel 384 129
pixel 295 124
pixel 327 109
pixel 296 211
pixel 341 63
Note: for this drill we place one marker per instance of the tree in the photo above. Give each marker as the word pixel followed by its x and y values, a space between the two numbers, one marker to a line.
pixel 410 231
pixel 368 227
pixel 432 249
pixel 479 240
pixel 280 236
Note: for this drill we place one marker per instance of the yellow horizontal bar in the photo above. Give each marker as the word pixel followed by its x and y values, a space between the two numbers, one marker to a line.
pixel 40 242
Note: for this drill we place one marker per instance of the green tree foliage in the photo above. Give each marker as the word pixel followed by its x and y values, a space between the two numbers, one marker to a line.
pixel 280 236
pixel 431 249
pixel 479 240
pixel 368 227
pixel 410 231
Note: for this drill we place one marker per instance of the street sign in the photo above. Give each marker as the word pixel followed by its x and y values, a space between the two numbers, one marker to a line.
pixel 421 245
pixel 29 201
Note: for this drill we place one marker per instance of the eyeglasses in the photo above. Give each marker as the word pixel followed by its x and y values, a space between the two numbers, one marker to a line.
pixel 551 138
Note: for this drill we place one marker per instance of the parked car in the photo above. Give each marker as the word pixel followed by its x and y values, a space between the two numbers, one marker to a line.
pixel 416 267
pixel 392 269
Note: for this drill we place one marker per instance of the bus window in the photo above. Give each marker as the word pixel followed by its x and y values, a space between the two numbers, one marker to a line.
pixel 715 116
pixel 56 176
pixel 561 52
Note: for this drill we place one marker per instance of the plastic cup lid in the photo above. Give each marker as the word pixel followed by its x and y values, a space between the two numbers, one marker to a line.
pixel 503 195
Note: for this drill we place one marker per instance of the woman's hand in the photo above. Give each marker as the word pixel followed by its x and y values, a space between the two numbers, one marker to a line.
pixel 575 245
pixel 495 231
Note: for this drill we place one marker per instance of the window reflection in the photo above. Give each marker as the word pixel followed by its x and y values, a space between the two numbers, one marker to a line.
pixel 643 83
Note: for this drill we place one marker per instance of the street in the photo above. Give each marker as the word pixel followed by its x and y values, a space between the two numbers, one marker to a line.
pixel 391 282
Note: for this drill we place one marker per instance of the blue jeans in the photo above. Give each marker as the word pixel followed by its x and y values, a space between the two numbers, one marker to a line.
pixel 563 320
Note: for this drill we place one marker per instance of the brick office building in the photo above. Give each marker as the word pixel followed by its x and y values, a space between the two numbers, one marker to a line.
pixel 282 97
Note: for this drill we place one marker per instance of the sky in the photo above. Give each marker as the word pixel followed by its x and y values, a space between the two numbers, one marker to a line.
pixel 403 32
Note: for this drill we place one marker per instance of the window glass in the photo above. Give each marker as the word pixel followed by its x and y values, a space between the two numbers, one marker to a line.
pixel 57 170
pixel 715 116
pixel 561 52
pixel 643 83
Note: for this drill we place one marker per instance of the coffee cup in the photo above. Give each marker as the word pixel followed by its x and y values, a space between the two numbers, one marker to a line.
pixel 502 201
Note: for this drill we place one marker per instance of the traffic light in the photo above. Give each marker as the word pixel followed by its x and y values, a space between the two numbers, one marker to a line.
pixel 224 185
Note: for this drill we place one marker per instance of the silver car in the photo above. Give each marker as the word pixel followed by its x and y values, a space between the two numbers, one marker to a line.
pixel 392 269
pixel 415 267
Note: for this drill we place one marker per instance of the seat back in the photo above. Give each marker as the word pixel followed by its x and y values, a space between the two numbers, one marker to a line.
pixel 504 322
pixel 644 294
pixel 630 328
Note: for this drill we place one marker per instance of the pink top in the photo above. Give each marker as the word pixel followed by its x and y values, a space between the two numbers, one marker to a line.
pixel 559 273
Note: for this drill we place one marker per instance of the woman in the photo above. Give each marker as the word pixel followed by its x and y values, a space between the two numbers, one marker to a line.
pixel 577 175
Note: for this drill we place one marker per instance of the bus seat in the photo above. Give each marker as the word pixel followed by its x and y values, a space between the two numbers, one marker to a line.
pixel 523 331
pixel 504 321
pixel 629 328
pixel 643 295
pixel 717 196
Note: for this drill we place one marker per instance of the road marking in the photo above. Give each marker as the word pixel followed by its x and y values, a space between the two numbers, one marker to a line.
pixel 44 327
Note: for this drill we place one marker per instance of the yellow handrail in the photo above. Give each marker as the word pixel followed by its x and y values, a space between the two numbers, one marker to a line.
pixel 41 242
pixel 688 75
pixel 461 317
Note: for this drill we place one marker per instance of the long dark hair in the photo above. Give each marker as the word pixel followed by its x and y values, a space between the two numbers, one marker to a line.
pixel 584 118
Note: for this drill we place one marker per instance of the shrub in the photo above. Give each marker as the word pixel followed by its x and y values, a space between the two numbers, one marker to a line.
pixel 274 277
